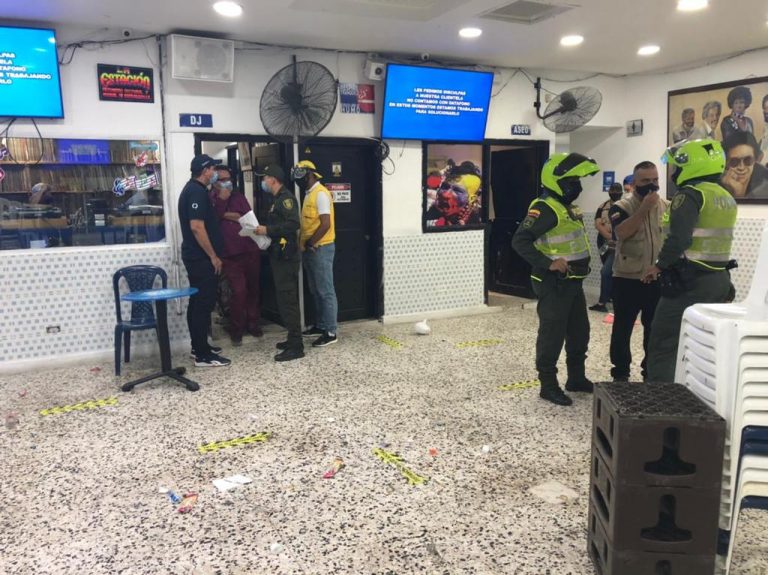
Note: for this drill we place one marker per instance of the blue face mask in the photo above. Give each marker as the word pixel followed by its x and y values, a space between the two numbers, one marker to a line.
pixel 226 186
pixel 214 177
pixel 265 187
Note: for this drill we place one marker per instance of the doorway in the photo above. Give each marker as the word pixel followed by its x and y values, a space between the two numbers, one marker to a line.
pixel 351 170
pixel 514 181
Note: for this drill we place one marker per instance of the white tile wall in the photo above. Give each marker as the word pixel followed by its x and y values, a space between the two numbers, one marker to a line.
pixel 71 288
pixel 433 272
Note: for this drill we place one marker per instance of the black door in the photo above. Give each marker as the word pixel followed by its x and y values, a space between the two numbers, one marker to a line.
pixel 515 182
pixel 353 170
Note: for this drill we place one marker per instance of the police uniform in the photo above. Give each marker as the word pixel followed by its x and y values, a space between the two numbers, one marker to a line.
pixel 282 226
pixel 698 248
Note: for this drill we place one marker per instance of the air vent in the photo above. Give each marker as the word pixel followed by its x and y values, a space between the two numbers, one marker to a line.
pixel 526 12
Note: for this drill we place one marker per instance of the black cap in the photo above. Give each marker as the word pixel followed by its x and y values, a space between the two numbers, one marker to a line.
pixel 275 171
pixel 199 163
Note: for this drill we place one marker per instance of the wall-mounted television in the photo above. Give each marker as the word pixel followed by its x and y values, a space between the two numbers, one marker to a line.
pixel 426 103
pixel 30 86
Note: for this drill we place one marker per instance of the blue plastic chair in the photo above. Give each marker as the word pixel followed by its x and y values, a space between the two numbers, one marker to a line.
pixel 138 278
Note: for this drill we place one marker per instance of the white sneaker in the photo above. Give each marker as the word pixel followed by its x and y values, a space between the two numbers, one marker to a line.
pixel 212 360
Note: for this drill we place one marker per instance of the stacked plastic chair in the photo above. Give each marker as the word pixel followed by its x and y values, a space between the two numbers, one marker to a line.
pixel 723 359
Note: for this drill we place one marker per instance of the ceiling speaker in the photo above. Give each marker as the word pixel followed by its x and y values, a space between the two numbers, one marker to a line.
pixel 375 70
pixel 207 59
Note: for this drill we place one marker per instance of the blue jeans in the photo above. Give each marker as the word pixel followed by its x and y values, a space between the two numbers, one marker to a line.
pixel 606 278
pixel 318 266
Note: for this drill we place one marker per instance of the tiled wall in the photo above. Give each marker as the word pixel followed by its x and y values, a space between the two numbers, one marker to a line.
pixel 746 246
pixel 72 289
pixel 433 272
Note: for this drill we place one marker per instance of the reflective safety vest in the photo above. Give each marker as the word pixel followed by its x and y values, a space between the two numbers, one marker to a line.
pixel 310 217
pixel 567 240
pixel 713 234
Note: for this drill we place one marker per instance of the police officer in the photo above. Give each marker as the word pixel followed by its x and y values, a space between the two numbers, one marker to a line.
pixel 695 258
pixel 282 226
pixel 553 240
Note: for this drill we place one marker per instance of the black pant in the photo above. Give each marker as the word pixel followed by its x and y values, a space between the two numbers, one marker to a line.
pixel 286 276
pixel 563 317
pixel 202 276
pixel 631 297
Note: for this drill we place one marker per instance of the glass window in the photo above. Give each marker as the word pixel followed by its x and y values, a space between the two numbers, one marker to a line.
pixel 77 192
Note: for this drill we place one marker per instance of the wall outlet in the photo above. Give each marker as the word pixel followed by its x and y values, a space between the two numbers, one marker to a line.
pixel 53 329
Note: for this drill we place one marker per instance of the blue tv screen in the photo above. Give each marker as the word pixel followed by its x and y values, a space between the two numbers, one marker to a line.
pixel 29 73
pixel 424 103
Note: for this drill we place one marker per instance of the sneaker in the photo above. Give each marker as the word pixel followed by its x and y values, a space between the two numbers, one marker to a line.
pixel 584 385
pixel 555 395
pixel 214 349
pixel 601 307
pixel 326 339
pixel 312 332
pixel 211 360
pixel 289 354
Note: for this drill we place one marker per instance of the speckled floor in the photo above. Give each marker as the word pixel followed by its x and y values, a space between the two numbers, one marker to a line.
pixel 79 490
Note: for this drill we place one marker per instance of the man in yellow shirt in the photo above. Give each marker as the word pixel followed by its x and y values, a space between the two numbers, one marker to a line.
pixel 318 236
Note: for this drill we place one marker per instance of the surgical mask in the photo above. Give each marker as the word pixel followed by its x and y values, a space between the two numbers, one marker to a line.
pixel 214 178
pixel 265 187
pixel 614 197
pixel 226 186
pixel 571 190
pixel 643 191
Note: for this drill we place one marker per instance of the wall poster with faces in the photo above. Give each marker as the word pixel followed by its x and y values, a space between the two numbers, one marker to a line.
pixel 735 114
pixel 452 187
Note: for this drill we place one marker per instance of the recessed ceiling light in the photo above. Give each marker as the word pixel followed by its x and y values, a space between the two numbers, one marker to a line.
pixel 227 8
pixel 470 32
pixel 691 5
pixel 649 50
pixel 573 40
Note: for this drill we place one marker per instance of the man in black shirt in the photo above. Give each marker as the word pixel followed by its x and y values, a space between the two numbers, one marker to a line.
pixel 200 248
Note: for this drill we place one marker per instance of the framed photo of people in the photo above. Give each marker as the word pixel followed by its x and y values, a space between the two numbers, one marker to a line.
pixel 735 114
pixel 453 187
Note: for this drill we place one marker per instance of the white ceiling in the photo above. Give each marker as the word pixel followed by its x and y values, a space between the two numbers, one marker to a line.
pixel 613 29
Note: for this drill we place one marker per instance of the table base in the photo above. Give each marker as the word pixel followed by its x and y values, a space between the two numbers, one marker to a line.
pixel 175 373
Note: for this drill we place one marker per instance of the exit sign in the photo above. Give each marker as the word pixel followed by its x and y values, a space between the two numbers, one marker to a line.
pixel 196 120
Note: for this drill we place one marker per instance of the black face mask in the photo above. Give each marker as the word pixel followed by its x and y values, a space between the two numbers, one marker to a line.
pixel 302 183
pixel 571 190
pixel 643 191
pixel 614 197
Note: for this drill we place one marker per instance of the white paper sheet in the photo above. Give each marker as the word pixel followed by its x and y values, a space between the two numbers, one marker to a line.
pixel 231 482
pixel 248 223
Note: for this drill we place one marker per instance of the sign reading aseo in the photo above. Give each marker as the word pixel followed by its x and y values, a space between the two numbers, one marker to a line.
pixel 196 120
pixel 125 84
pixel 521 130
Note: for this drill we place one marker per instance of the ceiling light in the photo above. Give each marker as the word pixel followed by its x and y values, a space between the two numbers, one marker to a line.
pixel 573 40
pixel 649 50
pixel 227 8
pixel 691 5
pixel 470 32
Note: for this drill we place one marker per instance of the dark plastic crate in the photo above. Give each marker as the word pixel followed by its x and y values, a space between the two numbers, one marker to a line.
pixel 657 435
pixel 654 519
pixel 610 561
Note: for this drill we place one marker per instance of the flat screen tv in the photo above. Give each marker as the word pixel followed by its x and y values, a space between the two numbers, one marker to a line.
pixel 425 103
pixel 30 86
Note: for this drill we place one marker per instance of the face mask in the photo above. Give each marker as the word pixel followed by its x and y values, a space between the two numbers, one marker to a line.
pixel 571 190
pixel 265 187
pixel 302 183
pixel 226 186
pixel 643 191
pixel 614 197
pixel 214 178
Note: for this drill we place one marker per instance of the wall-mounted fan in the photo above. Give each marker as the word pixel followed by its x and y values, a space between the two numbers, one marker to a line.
pixel 569 110
pixel 298 101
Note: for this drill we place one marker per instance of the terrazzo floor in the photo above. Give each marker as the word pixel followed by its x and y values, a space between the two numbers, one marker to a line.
pixel 79 491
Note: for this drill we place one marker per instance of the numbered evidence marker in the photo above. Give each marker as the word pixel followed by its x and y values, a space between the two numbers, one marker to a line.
pixel 396 461
pixel 196 120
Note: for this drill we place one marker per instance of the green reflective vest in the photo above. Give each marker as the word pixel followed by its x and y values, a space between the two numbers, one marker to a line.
pixel 568 239
pixel 713 234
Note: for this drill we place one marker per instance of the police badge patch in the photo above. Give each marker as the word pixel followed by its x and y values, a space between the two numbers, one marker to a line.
pixel 677 201
pixel 288 203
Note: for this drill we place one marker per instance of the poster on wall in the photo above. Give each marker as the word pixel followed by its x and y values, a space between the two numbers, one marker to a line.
pixel 125 84
pixel 736 114
pixel 357 98
pixel 452 191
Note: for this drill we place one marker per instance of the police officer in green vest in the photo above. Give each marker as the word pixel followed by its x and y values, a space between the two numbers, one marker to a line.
pixel 694 261
pixel 553 240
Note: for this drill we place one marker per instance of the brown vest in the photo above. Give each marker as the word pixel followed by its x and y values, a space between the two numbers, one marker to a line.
pixel 634 255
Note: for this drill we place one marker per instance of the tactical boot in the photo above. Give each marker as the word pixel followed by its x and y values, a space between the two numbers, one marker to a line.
pixel 579 385
pixel 550 391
